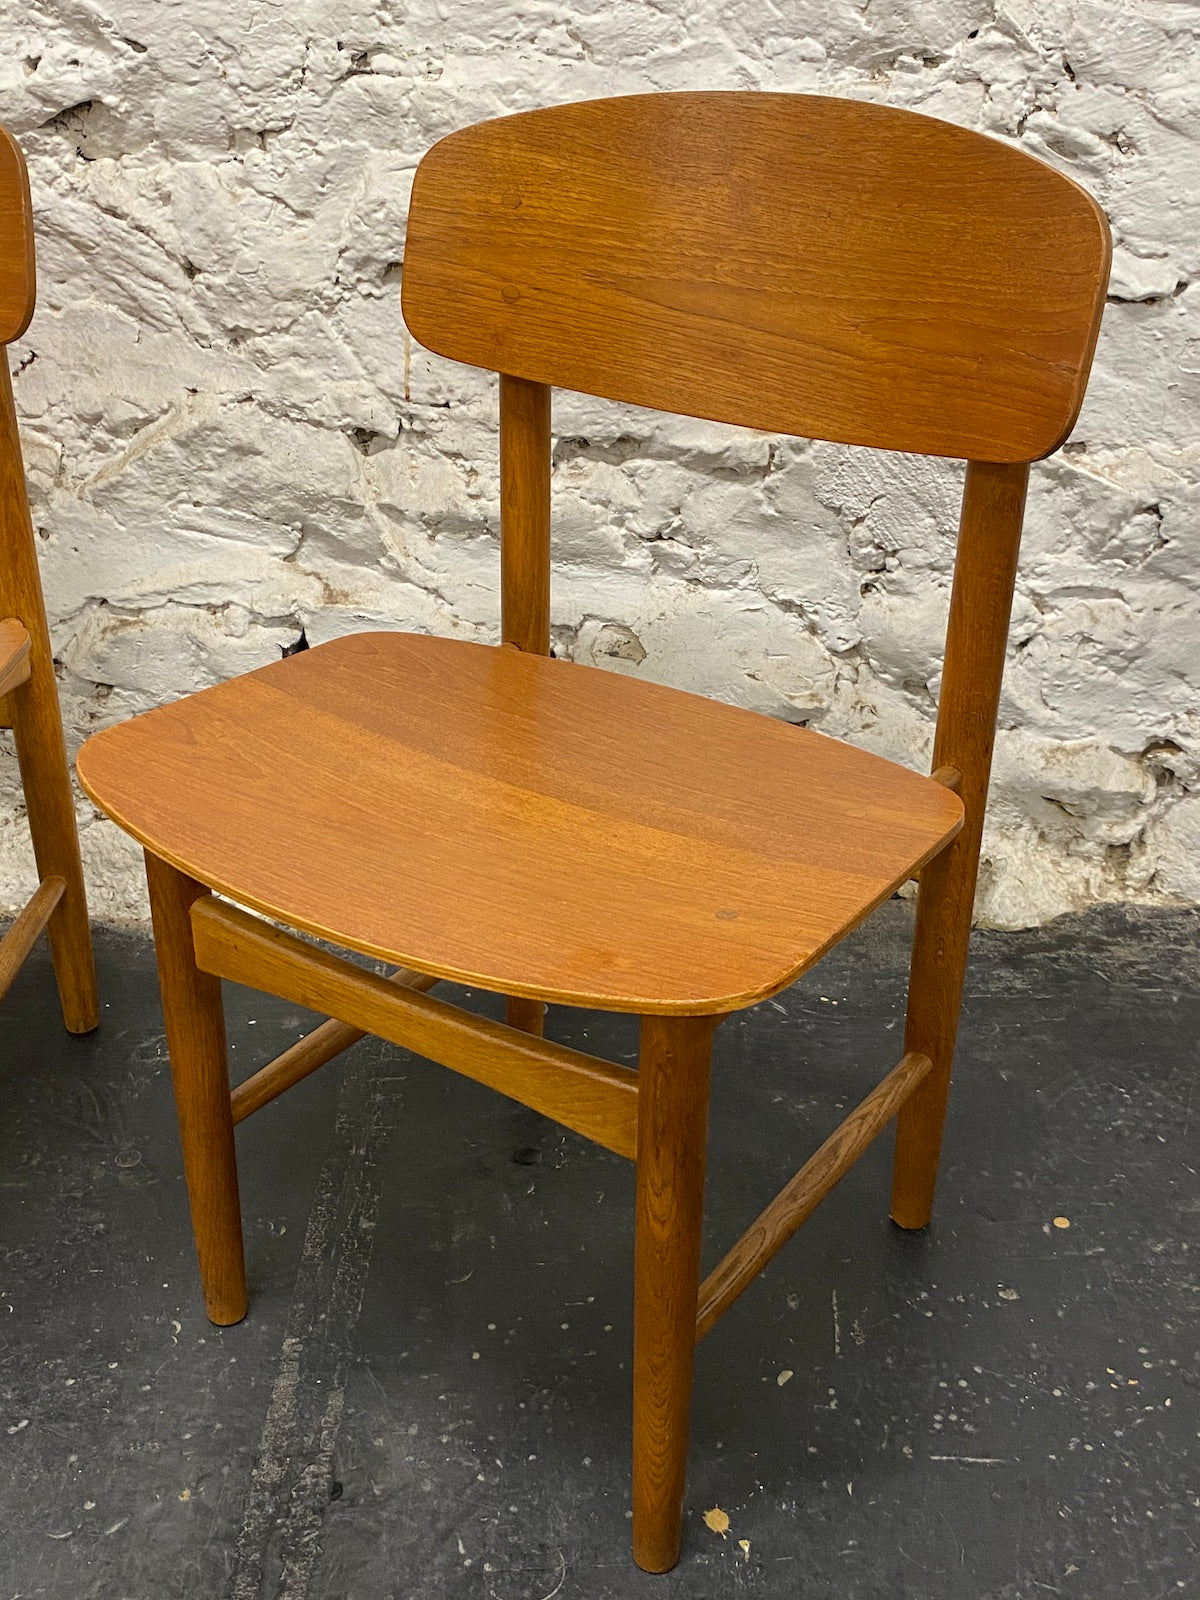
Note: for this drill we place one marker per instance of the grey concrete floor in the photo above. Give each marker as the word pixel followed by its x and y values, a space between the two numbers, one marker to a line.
pixel 430 1395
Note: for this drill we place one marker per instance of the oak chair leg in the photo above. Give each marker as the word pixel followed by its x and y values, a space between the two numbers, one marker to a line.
pixel 46 780
pixel 988 539
pixel 528 1015
pixel 672 1134
pixel 195 1024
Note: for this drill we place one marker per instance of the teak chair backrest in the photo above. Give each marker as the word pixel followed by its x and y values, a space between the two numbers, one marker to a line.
pixel 28 691
pixel 828 268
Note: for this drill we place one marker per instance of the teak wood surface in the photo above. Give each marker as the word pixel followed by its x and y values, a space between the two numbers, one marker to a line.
pixel 829 268
pixel 602 841
pixel 28 690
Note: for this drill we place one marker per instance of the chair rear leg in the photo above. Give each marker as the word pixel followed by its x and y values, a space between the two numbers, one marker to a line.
pixel 195 1023
pixel 988 537
pixel 939 962
pixel 46 779
pixel 672 1134
pixel 528 1015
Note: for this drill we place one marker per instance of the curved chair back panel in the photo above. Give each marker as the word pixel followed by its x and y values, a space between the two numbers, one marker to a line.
pixel 828 268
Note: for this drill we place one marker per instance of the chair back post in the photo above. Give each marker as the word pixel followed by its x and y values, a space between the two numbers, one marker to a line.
pixel 985 570
pixel 20 584
pixel 525 558
pixel 525 514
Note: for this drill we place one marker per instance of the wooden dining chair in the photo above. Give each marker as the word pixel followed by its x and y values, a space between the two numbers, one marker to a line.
pixel 28 691
pixel 552 832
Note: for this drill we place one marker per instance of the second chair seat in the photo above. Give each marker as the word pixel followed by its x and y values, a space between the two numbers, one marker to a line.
pixel 532 826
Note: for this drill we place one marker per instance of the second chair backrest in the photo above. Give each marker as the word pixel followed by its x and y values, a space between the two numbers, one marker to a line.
pixel 17 281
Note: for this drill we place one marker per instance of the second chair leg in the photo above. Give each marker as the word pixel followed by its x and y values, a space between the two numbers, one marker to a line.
pixel 46 780
pixel 195 1023
pixel 672 1134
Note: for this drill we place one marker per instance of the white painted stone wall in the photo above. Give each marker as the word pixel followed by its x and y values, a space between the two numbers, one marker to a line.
pixel 229 436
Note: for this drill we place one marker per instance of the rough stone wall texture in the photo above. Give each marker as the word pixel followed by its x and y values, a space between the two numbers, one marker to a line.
pixel 230 437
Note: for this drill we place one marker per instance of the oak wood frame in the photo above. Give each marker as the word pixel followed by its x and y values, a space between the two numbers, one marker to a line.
pixel 658 1116
pixel 583 1093
pixel 28 690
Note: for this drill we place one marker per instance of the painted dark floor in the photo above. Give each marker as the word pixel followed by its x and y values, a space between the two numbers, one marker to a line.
pixel 430 1395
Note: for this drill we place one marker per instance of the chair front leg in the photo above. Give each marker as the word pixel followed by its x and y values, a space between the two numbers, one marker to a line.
pixel 672 1135
pixel 195 1023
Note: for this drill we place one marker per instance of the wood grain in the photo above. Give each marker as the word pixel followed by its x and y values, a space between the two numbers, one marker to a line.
pixel 673 1071
pixel 18 282
pixel 593 1097
pixel 14 655
pixel 829 268
pixel 195 1024
pixel 21 936
pixel 797 1200
pixel 528 825
pixel 307 1055
pixel 976 639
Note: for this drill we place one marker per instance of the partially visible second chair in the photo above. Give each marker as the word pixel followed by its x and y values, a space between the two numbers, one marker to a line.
pixel 28 692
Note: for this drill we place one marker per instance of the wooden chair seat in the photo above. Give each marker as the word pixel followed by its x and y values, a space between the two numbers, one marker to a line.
pixel 529 825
